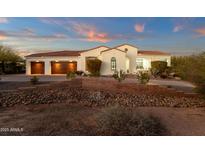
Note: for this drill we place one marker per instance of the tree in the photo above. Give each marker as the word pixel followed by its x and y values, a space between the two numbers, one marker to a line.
pixel 7 55
pixel 158 67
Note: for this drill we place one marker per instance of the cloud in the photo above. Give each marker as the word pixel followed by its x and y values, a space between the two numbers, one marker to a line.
pixel 200 31
pixel 90 33
pixel 48 20
pixel 64 23
pixel 182 23
pixel 29 34
pixel 139 28
pixel 2 36
pixel 3 20
pixel 178 28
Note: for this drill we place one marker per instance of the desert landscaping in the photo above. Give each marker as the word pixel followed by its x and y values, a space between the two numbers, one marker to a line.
pixel 166 98
pixel 71 107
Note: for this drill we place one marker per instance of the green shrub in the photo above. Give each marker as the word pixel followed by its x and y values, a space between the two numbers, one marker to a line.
pixel 70 75
pixel 93 66
pixel 118 121
pixel 158 67
pixel 34 80
pixel 119 75
pixel 191 68
pixel 143 77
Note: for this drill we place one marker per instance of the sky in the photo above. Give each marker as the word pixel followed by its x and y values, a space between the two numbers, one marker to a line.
pixel 32 35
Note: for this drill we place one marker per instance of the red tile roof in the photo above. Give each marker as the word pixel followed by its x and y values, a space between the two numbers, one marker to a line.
pixel 62 53
pixel 57 53
pixel 77 53
pixel 143 52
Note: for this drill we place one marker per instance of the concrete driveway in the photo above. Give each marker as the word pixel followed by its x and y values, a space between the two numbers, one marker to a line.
pixel 24 78
pixel 176 84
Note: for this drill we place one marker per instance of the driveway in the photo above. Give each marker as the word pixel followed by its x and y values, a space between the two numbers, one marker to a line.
pixel 24 78
pixel 176 84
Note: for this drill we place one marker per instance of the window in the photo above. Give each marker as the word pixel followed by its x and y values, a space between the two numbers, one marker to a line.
pixel 164 59
pixel 113 64
pixel 139 63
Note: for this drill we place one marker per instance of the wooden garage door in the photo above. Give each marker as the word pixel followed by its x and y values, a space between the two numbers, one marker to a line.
pixel 63 67
pixel 37 67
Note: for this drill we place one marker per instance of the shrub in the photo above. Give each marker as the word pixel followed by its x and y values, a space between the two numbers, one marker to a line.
pixel 164 75
pixel 80 73
pixel 119 75
pixel 84 74
pixel 201 89
pixel 118 121
pixel 143 77
pixel 70 75
pixel 158 67
pixel 191 68
pixel 93 66
pixel 34 80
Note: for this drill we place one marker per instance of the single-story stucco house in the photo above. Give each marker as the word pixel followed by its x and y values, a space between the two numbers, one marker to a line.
pixel 123 57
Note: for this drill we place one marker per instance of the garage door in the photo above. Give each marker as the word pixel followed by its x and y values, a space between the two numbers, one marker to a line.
pixel 63 67
pixel 37 67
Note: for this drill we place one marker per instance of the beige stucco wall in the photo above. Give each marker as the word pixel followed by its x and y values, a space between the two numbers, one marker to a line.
pixel 106 61
pixel 91 53
pixel 132 55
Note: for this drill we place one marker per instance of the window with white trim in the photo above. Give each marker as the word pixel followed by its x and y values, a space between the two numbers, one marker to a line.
pixel 113 64
pixel 139 63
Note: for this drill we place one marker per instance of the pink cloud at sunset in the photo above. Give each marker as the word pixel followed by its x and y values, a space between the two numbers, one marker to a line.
pixel 200 31
pixel 3 20
pixel 139 28
pixel 91 33
pixel 2 36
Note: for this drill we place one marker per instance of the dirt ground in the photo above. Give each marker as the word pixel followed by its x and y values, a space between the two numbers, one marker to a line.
pixel 75 119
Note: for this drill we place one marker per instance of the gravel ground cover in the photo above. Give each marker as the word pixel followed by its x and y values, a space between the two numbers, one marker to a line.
pixel 72 92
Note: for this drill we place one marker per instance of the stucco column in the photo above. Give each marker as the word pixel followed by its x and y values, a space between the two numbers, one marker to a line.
pixel 28 67
pixel 79 65
pixel 47 67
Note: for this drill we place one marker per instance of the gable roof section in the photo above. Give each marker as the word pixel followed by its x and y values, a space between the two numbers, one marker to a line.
pixel 112 49
pixel 143 52
pixel 126 44
pixel 62 53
